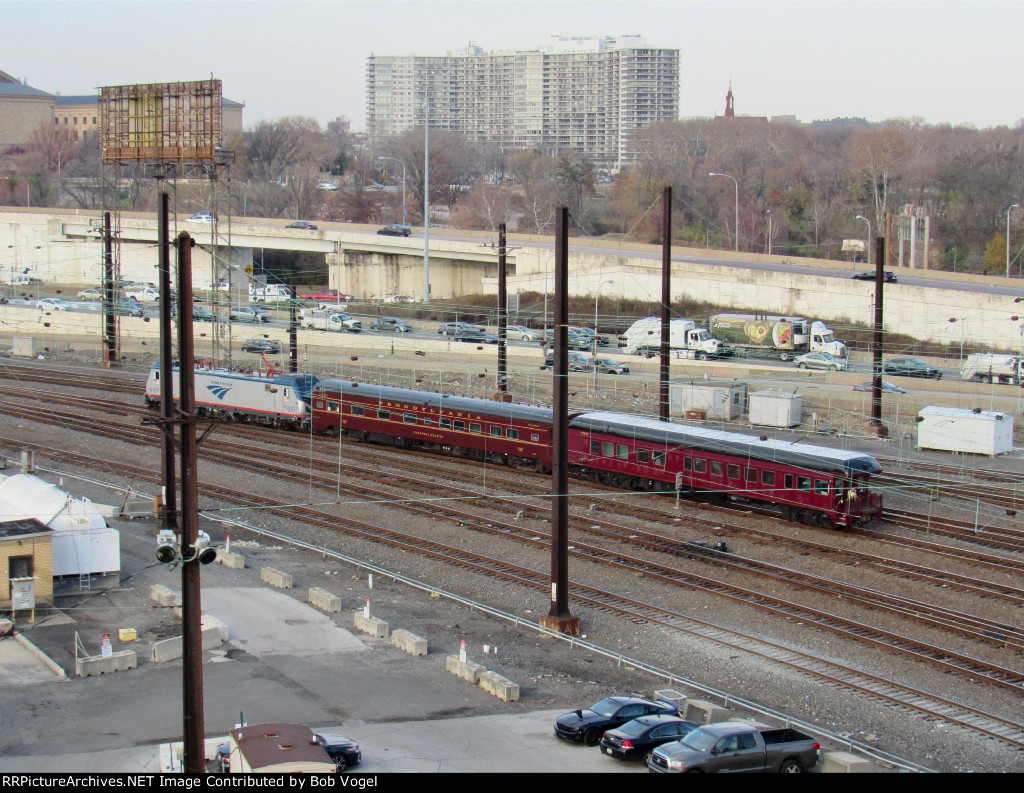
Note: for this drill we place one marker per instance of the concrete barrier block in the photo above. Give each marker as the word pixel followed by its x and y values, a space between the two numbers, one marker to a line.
pixel 6 627
pixel 371 625
pixel 163 596
pixel 276 578
pixel 503 688
pixel 233 561
pixel 165 650
pixel 211 623
pixel 845 763
pixel 324 600
pixel 467 670
pixel 100 665
pixel 700 711
pixel 410 642
pixel 138 508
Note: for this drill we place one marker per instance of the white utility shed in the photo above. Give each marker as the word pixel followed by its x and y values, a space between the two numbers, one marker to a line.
pixel 716 399
pixel 969 431
pixel 776 408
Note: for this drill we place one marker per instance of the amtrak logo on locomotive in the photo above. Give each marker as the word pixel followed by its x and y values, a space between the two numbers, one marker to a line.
pixel 219 389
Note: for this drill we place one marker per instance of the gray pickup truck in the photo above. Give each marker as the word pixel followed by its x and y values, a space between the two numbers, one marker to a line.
pixel 737 748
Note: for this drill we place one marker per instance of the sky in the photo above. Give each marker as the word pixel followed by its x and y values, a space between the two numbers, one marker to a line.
pixel 942 62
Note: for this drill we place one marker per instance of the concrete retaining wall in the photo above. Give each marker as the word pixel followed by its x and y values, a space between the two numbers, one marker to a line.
pixel 276 578
pixel 324 600
pixel 98 665
pixel 410 642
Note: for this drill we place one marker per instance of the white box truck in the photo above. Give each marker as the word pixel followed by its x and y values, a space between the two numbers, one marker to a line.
pixel 686 339
pixel 774 336
pixel 991 367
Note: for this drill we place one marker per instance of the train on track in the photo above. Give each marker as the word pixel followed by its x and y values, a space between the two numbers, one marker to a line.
pixel 811 484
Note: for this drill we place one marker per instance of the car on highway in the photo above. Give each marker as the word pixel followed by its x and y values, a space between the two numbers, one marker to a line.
pixel 451 328
pixel 392 324
pixel 637 739
pixel 264 346
pixel 578 362
pixel 574 340
pixel 92 293
pixel 201 217
pixel 129 307
pixel 910 367
pixel 588 726
pixel 330 187
pixel 395 230
pixel 476 335
pixel 869 275
pixel 305 225
pixel 609 366
pixel 589 334
pixel 248 314
pixel 821 360
pixel 199 313
pixel 522 333
pixel 52 304
pixel 887 388
pixel 343 751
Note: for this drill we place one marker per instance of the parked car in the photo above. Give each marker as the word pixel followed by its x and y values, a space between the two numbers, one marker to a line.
pixel 306 225
pixel 888 275
pixel 343 751
pixel 821 360
pixel 92 293
pixel 395 230
pixel 52 304
pixel 201 217
pixel 578 362
pixel 475 335
pixel 609 366
pixel 910 367
pixel 639 738
pixel 737 747
pixel 26 280
pixel 265 346
pixel 522 333
pixel 887 388
pixel 328 186
pixel 451 328
pixel 248 314
pixel 587 726
pixel 391 323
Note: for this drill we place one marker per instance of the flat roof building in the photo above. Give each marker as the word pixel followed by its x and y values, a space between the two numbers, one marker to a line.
pixel 586 95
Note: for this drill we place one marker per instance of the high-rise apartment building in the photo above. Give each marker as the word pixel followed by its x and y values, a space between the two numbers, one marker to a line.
pixel 581 94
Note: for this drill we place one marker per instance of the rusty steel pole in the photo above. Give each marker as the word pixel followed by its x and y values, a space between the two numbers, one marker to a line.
pixel 559 618
pixel 194 758
pixel 666 301
pixel 878 340
pixel 168 454
pixel 502 313
pixel 293 345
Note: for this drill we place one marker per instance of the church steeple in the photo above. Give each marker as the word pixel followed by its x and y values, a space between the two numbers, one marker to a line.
pixel 729 111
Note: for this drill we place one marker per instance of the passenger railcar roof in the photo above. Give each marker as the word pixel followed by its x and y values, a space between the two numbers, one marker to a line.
pixel 379 393
pixel 803 455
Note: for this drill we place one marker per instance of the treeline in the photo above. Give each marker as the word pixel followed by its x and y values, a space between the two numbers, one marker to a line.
pixel 803 185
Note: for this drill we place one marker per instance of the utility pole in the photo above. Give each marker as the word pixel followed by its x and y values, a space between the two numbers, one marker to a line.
pixel 111 357
pixel 877 342
pixel 502 313
pixel 168 454
pixel 664 369
pixel 293 346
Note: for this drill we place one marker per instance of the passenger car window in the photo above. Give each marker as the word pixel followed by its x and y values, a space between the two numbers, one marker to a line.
pixel 733 471
pixel 821 487
pixel 716 468
pixel 803 483
pixel 622 451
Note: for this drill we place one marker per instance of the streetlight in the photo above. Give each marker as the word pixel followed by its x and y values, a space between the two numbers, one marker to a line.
pixel 1008 213
pixel 736 185
pixel 405 209
pixel 597 294
pixel 861 217
pixel 769 232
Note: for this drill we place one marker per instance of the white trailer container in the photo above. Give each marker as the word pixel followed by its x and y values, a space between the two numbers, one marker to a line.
pixel 966 431
pixel 713 399
pixel 686 339
pixel 776 408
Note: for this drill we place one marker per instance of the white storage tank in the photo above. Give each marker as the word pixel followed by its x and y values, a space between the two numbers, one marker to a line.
pixel 710 399
pixel 971 431
pixel 776 408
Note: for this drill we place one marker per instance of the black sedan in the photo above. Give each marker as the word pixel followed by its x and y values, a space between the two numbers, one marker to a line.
pixel 587 726
pixel 888 275
pixel 343 751
pixel 636 739
pixel 911 367
pixel 306 225
pixel 264 346
pixel 395 230
pixel 478 336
